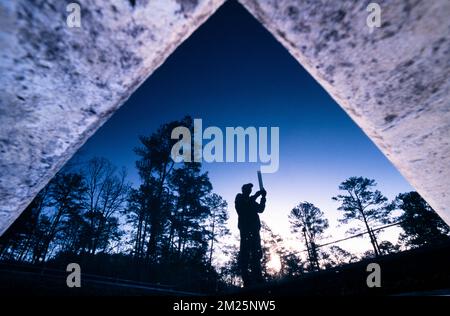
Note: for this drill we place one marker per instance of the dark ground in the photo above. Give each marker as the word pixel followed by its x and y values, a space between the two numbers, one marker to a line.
pixel 424 271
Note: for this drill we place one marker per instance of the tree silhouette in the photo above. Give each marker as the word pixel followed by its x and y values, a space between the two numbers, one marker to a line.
pixel 155 166
pixel 309 223
pixel 76 213
pixel 291 264
pixel 420 223
pixel 218 218
pixel 275 249
pixel 386 247
pixel 24 235
pixel 272 249
pixel 362 203
pixel 191 187
pixel 336 256
pixel 106 193
pixel 230 272
pixel 136 214
pixel 175 219
pixel 66 193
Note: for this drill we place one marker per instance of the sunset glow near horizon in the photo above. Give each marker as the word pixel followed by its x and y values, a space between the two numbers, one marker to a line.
pixel 232 72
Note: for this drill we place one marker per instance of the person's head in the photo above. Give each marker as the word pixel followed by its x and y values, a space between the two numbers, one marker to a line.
pixel 247 189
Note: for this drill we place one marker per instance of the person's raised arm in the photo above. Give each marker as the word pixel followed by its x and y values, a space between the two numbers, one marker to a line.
pixel 259 193
pixel 262 203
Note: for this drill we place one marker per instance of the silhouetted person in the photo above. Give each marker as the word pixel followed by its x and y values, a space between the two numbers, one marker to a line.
pixel 250 252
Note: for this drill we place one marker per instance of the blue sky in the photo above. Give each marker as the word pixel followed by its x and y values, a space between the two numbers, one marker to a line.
pixel 232 72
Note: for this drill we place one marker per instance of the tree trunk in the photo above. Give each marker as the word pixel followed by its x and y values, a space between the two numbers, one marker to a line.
pixel 373 240
pixel 212 243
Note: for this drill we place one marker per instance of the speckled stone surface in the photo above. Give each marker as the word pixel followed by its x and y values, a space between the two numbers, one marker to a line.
pixel 59 84
pixel 393 82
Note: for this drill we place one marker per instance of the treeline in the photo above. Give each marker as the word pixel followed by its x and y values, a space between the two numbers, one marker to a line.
pixel 367 208
pixel 168 229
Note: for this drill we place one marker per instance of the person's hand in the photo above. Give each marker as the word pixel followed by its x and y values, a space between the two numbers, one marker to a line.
pixel 263 193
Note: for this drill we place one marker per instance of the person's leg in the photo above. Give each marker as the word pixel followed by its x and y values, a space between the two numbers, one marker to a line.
pixel 243 260
pixel 256 256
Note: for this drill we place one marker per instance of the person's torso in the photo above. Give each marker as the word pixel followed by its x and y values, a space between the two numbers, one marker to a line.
pixel 247 209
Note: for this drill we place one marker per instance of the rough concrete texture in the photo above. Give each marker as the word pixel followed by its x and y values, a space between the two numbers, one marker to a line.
pixel 393 82
pixel 58 85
